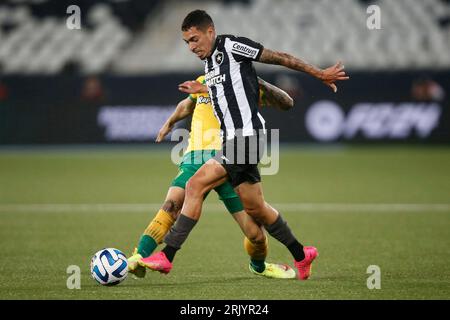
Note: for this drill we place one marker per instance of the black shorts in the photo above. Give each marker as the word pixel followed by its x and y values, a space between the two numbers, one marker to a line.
pixel 240 157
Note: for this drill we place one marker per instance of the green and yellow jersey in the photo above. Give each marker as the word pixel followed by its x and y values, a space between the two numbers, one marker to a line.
pixel 205 128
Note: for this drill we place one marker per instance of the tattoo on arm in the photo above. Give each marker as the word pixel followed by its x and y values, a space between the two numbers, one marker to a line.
pixel 275 96
pixel 289 61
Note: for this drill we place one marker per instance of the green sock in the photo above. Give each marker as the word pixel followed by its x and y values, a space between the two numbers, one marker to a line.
pixel 146 246
pixel 258 265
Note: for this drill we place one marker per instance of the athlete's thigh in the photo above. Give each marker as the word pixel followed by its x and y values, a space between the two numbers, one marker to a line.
pixel 254 204
pixel 185 172
pixel 209 176
pixel 229 197
pixel 251 194
pixel 176 194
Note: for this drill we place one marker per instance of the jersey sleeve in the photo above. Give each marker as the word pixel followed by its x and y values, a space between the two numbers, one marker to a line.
pixel 245 49
pixel 262 102
pixel 193 97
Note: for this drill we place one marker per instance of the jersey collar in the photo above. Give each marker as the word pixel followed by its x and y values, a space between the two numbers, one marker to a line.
pixel 216 42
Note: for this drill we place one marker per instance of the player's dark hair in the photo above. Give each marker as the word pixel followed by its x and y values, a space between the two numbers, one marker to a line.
pixel 197 18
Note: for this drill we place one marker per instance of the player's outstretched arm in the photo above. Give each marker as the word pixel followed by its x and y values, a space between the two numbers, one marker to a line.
pixel 184 109
pixel 328 76
pixel 274 96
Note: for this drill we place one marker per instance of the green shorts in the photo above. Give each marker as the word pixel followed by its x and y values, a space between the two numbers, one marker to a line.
pixel 191 162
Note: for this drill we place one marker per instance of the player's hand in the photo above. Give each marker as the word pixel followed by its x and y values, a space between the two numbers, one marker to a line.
pixel 192 87
pixel 332 74
pixel 163 132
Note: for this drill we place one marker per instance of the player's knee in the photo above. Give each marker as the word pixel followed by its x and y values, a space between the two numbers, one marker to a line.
pixel 172 207
pixel 194 188
pixel 256 236
pixel 255 210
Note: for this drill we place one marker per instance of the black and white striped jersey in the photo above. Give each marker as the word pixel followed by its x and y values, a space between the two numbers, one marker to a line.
pixel 233 85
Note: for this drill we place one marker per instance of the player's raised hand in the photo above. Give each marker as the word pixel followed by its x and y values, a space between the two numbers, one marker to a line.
pixel 163 132
pixel 332 74
pixel 192 87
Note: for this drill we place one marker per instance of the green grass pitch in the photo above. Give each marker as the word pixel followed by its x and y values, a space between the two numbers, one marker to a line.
pixel 51 216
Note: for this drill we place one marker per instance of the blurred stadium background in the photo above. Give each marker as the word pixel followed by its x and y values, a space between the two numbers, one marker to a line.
pixel 114 80
pixel 380 145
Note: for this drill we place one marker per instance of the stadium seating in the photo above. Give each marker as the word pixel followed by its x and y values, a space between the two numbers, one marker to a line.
pixel 412 34
pixel 34 37
pixel 114 38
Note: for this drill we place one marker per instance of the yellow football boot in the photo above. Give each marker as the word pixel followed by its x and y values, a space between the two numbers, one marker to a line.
pixel 133 265
pixel 275 270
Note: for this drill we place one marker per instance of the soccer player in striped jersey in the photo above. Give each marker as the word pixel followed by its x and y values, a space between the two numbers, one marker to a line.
pixel 204 142
pixel 232 85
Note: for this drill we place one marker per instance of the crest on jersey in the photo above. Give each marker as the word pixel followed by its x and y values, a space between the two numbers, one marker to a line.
pixel 219 58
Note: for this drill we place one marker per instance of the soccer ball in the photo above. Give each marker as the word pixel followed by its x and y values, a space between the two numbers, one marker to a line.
pixel 109 267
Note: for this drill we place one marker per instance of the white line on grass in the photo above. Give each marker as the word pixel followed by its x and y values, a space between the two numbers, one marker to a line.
pixel 301 207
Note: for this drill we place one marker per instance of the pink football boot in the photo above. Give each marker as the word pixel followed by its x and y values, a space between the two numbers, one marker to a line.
pixel 304 266
pixel 157 262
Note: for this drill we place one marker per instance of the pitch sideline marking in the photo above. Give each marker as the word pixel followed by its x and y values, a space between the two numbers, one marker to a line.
pixel 302 207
